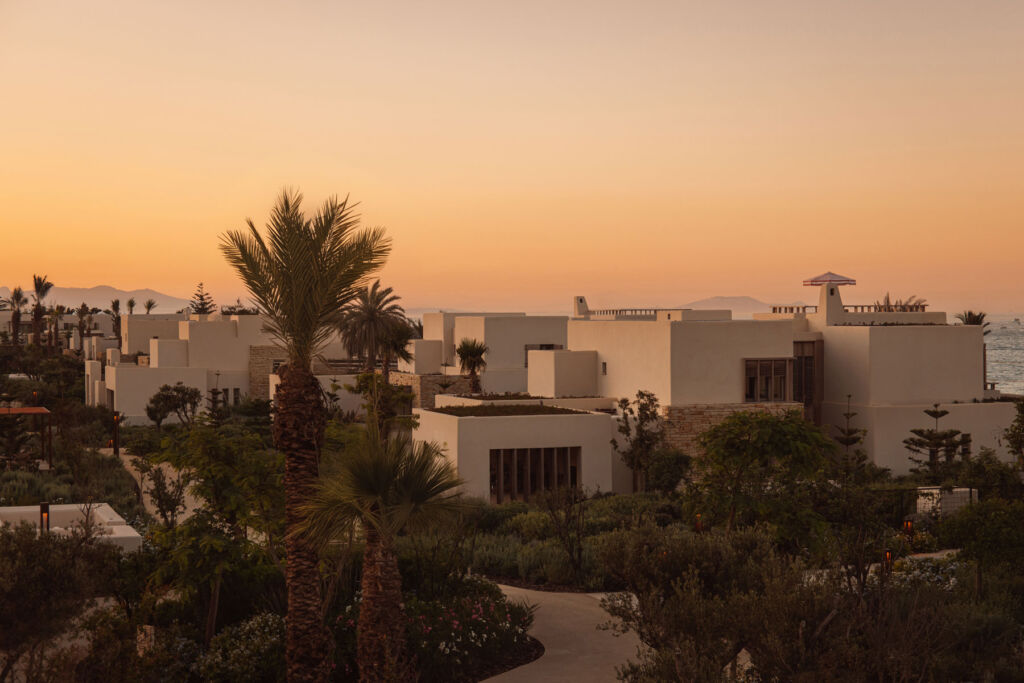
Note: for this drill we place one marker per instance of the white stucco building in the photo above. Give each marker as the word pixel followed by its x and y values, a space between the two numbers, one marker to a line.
pixel 231 353
pixel 890 362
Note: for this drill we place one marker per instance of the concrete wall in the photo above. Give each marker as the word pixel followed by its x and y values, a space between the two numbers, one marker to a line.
pixel 441 325
pixel 468 441
pixel 562 373
pixel 426 357
pixel 636 355
pixel 138 330
pixel 887 426
pixel 926 364
pixel 168 353
pixel 133 386
pixel 707 357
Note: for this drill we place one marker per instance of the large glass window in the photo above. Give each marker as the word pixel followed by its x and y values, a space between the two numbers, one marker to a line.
pixel 803 372
pixel 518 473
pixel 766 380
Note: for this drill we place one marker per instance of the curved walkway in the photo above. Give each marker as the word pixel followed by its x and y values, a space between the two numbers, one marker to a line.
pixel 574 649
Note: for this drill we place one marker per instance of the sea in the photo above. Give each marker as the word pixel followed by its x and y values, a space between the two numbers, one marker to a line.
pixel 1005 342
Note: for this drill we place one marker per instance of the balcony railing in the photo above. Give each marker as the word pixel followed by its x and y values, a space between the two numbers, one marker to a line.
pixel 881 308
pixel 794 309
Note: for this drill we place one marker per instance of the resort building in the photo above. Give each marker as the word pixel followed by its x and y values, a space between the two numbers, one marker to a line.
pixel 233 354
pixel 886 362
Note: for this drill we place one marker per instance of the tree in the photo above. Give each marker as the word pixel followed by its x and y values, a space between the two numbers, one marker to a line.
pixel 131 306
pixel 56 315
pixel 640 426
pixel 300 276
pixel 471 361
pixel 41 287
pixel 757 465
pixel 47 579
pixel 934 443
pixel 990 532
pixel 238 308
pixel 1014 434
pixel 115 317
pixel 383 488
pixel 395 346
pixel 201 302
pixel 82 314
pixel 890 305
pixel 16 302
pixel 149 305
pixel 969 317
pixel 368 320
pixel 180 399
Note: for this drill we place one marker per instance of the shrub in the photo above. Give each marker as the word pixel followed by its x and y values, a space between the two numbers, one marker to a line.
pixel 496 555
pixel 252 650
pixel 544 562
pixel 530 526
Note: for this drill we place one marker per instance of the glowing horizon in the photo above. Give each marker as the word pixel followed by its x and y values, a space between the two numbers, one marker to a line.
pixel 520 155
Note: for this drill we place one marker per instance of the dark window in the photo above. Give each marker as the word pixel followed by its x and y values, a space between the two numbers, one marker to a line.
pixel 765 380
pixel 803 372
pixel 518 473
pixel 537 347
pixel 604 368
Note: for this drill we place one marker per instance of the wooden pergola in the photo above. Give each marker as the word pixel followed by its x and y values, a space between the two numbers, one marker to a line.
pixel 43 424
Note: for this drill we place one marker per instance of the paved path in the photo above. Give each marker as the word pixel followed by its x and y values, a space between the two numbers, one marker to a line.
pixel 574 649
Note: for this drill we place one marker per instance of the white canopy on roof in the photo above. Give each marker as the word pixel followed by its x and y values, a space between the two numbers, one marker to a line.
pixel 829 278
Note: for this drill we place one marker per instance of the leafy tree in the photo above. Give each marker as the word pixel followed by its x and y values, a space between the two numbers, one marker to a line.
pixel 82 314
pixel 202 302
pixel 149 305
pixel 640 425
pixel 180 399
pixel 238 484
pixel 759 466
pixel 566 508
pixel 387 486
pixel 387 405
pixel 368 320
pixel 45 582
pixel 300 276
pixel 1014 434
pixel 131 306
pixel 471 361
pixel 991 533
pixel 934 443
pixel 974 318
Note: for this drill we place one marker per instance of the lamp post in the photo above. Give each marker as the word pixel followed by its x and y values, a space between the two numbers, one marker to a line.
pixel 698 524
pixel 44 517
pixel 117 433
pixel 908 529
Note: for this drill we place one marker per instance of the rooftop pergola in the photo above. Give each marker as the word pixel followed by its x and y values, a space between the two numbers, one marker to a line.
pixel 829 278
pixel 41 418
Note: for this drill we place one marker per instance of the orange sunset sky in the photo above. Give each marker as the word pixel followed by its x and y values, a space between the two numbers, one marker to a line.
pixel 639 153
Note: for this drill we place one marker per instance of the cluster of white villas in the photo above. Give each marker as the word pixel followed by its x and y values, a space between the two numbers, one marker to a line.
pixel 885 365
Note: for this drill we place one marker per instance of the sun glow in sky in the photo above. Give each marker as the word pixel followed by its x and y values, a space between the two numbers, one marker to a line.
pixel 645 153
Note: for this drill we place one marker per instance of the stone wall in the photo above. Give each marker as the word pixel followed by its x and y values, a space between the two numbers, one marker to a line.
pixel 685 424
pixel 261 366
pixel 426 387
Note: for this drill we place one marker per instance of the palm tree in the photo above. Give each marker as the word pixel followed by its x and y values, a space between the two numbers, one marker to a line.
pixel 16 302
pixel 300 276
pixel 115 317
pixel 131 306
pixel 42 287
pixel 367 321
pixel 56 314
pixel 395 345
pixel 471 361
pixel 149 305
pixel 974 318
pixel 382 488
pixel 83 313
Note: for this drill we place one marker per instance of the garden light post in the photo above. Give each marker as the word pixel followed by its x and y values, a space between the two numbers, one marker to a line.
pixel 44 517
pixel 908 529
pixel 117 433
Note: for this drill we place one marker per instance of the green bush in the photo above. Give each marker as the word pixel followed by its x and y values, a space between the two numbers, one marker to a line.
pixel 491 519
pixel 496 555
pixel 543 562
pixel 252 650
pixel 530 526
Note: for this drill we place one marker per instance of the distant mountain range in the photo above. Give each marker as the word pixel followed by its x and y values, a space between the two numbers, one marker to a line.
pixel 739 305
pixel 102 295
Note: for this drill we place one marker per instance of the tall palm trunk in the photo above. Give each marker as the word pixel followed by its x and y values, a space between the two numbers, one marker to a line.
pixel 298 432
pixel 16 326
pixel 37 324
pixel 380 638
